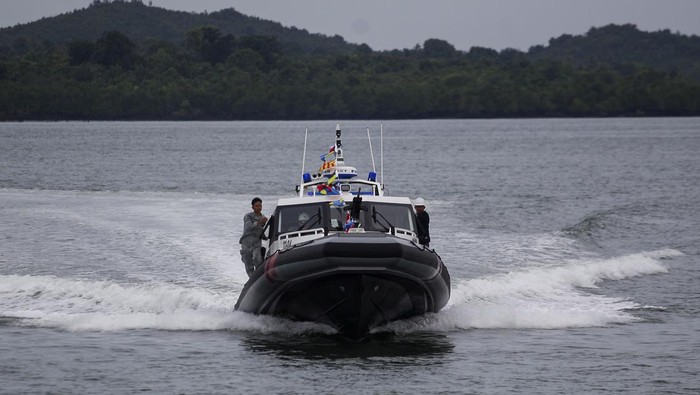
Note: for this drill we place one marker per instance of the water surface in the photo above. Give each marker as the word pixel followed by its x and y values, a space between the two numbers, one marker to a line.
pixel 573 247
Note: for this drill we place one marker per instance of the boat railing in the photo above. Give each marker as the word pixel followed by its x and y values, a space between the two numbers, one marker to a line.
pixel 307 232
pixel 290 239
pixel 403 232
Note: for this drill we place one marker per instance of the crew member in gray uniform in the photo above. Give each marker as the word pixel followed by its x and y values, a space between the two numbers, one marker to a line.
pixel 253 224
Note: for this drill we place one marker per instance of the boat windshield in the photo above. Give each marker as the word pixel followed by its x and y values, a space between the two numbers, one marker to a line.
pixel 374 216
pixel 382 216
pixel 296 218
pixel 338 217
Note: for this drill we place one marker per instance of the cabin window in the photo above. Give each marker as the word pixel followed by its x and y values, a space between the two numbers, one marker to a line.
pixel 338 217
pixel 387 215
pixel 296 218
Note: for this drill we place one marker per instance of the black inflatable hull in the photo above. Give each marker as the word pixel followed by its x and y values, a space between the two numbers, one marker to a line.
pixel 353 282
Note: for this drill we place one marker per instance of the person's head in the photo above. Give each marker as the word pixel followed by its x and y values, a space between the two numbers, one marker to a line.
pixel 257 205
pixel 419 204
pixel 303 217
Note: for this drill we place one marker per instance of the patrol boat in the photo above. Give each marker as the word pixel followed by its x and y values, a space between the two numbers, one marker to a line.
pixel 343 254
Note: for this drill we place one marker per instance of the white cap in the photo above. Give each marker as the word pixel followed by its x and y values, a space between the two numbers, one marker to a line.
pixel 304 217
pixel 419 202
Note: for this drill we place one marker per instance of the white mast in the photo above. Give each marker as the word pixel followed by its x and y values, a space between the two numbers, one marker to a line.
pixel 371 153
pixel 339 160
pixel 381 157
pixel 303 162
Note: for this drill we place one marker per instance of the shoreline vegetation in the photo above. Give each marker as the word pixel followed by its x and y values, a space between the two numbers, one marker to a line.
pixel 227 66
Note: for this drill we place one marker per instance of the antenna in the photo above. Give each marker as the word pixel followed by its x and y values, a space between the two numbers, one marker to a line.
pixel 371 153
pixel 381 148
pixel 303 162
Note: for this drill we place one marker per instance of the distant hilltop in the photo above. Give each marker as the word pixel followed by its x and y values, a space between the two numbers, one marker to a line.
pixel 128 60
pixel 620 44
pixel 141 23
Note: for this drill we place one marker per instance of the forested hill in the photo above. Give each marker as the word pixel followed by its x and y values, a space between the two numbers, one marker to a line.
pixel 143 23
pixel 612 45
pixel 625 44
pixel 122 60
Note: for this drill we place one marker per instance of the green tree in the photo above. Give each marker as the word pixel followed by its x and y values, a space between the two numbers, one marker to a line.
pixel 115 49
pixel 209 45
pixel 81 51
pixel 436 48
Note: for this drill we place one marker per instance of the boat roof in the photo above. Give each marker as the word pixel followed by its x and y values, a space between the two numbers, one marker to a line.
pixel 347 198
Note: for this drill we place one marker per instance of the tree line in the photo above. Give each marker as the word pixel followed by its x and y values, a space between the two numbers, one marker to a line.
pixel 216 76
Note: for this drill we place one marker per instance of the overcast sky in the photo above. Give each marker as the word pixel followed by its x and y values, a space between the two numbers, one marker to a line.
pixel 398 24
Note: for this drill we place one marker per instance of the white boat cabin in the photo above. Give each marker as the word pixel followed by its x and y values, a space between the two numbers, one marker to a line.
pixel 298 220
pixel 334 201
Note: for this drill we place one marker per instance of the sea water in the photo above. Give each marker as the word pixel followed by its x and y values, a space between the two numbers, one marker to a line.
pixel 573 246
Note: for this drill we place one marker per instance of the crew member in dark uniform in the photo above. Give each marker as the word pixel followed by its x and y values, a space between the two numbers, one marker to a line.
pixel 423 222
